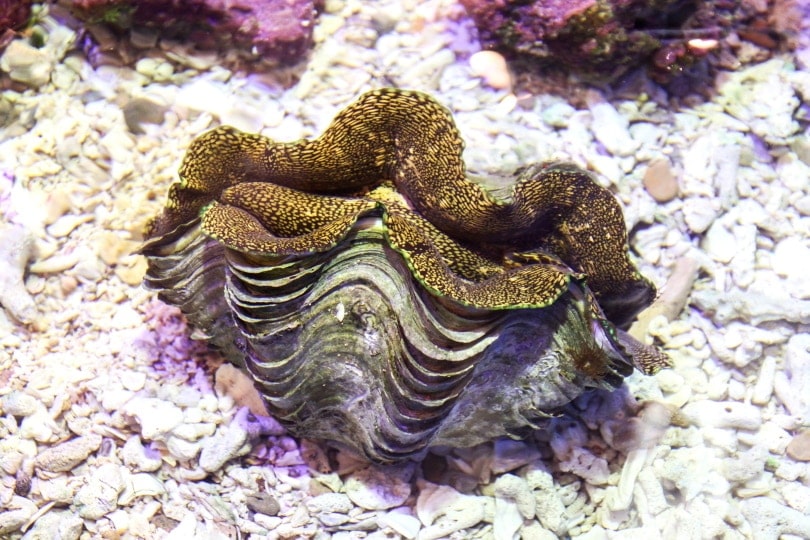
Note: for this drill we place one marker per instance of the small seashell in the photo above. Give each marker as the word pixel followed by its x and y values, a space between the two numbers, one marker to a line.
pixel 375 488
pixel 659 180
pixel 491 66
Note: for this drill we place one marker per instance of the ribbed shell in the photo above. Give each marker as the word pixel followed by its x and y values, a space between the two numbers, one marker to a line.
pixel 346 346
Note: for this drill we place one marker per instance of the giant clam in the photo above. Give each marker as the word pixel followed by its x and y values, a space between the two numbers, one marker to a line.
pixel 383 301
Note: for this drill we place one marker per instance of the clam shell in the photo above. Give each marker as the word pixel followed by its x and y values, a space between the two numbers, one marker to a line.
pixel 347 346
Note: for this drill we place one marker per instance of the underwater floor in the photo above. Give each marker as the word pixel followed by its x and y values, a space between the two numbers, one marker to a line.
pixel 113 426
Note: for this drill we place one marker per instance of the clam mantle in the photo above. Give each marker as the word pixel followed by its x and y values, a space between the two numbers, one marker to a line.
pixel 383 301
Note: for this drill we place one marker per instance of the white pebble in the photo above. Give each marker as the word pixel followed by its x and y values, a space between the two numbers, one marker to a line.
pixel 66 224
pixel 227 443
pixel 549 508
pixel 140 485
pixel 723 414
pixel 719 243
pixel 329 503
pixel 401 523
pixel 791 258
pixel 135 455
pixel 443 511
pixel 770 520
pixel 610 129
pixel 699 213
pixel 55 264
pixel 182 449
pixel 764 384
pixel 16 249
pixel 514 488
pixel 62 524
pixel 18 511
pixel 99 496
pixel 18 403
pixel 155 416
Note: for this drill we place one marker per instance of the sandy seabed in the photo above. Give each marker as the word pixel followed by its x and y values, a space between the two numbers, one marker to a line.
pixel 113 426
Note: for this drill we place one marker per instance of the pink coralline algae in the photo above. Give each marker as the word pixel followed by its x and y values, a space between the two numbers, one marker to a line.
pixel 599 39
pixel 271 29
pixel 13 16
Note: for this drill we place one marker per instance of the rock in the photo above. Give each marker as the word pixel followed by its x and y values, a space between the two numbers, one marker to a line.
pixel 723 414
pixel 18 403
pixel 514 502
pixel 226 444
pixel 791 258
pixel 156 417
pixel 799 446
pixel 279 30
pixel 699 214
pixel 763 389
pixel 403 524
pixel 139 458
pixel 598 40
pixel 549 507
pixel 139 111
pixel 263 503
pixel 64 457
pixel 329 503
pixel 558 114
pixel 509 455
pixel 491 66
pixel 443 511
pixel 64 225
pixel 140 485
pixel 99 496
pixel 660 181
pixel 797 363
pixel 54 265
pixel 377 488
pixel 514 488
pixel 18 511
pixel 611 128
pixel 26 64
pixel 61 524
pixel 719 243
pixel 770 520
